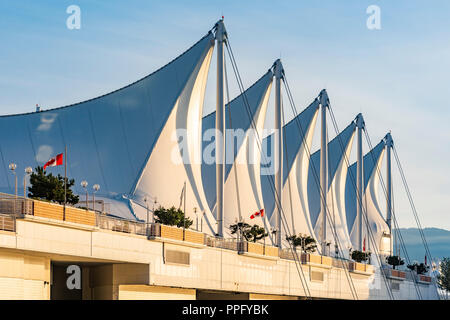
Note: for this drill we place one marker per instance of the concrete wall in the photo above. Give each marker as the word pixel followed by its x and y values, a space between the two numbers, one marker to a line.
pixel 116 260
pixel 145 292
pixel 23 276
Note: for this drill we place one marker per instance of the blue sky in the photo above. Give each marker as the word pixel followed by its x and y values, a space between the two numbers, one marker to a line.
pixel 397 76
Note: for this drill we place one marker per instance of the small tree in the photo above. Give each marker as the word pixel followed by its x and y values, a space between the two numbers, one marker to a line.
pixel 307 243
pixel 419 268
pixel 172 217
pixel 49 187
pixel 250 233
pixel 395 261
pixel 360 256
pixel 443 278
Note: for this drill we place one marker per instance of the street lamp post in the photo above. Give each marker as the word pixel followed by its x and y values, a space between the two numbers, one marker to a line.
pixel 84 184
pixel 240 224
pixel 12 167
pixel 274 233
pixel 196 219
pixel 28 171
pixel 201 221
pixel 96 187
pixel 146 206
pixel 154 203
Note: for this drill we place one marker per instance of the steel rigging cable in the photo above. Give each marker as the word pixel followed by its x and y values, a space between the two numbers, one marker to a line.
pixel 364 210
pixel 321 192
pixel 277 199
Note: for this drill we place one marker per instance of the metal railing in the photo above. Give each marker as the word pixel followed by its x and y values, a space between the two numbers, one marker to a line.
pixel 229 244
pixel 120 225
pixel 100 206
pixel 288 254
pixel 7 222
pixel 12 205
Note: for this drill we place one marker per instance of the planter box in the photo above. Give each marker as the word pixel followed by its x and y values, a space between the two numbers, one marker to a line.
pixel 81 216
pixel 7 223
pixel 271 251
pixel 423 278
pixel 356 266
pixel 360 267
pixel 56 211
pixel 255 248
pixel 369 268
pixel 47 210
pixel 398 274
pixel 312 258
pixel 328 261
pixel 194 237
pixel 173 233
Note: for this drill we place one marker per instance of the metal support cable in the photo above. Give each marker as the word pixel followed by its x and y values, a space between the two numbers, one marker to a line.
pixel 413 207
pixel 231 125
pixel 321 192
pixel 258 140
pixel 400 237
pixel 364 211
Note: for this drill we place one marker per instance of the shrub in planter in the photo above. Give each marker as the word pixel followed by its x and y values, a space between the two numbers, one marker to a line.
pixel 45 186
pixel 360 256
pixel 419 268
pixel 172 217
pixel 307 243
pixel 395 261
pixel 250 233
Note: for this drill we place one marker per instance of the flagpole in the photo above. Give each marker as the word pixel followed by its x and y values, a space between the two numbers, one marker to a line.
pixel 65 181
pixel 184 210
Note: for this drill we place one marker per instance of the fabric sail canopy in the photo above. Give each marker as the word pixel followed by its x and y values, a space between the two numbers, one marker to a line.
pixel 108 138
pixel 240 113
pixel 336 150
pixel 294 133
pixel 377 224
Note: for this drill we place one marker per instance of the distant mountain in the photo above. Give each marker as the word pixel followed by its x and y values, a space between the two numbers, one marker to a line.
pixel 438 241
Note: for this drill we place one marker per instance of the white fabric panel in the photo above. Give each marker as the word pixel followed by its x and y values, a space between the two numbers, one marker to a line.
pixel 336 206
pixel 165 173
pixel 247 168
pixel 377 224
pixel 294 196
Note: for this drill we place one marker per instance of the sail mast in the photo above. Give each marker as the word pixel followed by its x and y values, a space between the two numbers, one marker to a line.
pixel 278 149
pixel 220 125
pixel 389 145
pixel 324 168
pixel 359 180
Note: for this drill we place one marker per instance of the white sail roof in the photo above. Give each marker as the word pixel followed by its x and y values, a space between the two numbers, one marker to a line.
pixel 109 138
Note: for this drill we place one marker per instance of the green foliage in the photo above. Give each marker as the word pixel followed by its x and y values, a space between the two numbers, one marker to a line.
pixel 48 187
pixel 395 261
pixel 250 233
pixel 172 217
pixel 443 278
pixel 419 268
pixel 360 256
pixel 307 243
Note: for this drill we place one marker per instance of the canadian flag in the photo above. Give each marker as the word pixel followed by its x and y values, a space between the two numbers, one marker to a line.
pixel 55 161
pixel 260 212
